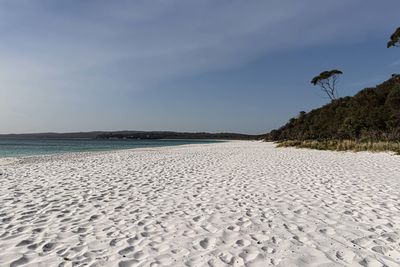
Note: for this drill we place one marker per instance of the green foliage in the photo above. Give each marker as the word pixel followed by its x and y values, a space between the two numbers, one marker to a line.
pixel 327 81
pixel 373 114
pixel 394 39
pixel 325 75
pixel 344 145
pixel 393 101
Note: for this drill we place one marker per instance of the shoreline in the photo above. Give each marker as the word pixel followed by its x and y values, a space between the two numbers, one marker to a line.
pixel 6 160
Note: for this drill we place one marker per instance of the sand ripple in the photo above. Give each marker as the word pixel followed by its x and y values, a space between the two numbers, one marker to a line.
pixel 225 204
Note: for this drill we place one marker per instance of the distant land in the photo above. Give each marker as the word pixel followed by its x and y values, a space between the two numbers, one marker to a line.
pixel 133 135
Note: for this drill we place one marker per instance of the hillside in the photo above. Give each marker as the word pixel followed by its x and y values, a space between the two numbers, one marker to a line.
pixel 373 114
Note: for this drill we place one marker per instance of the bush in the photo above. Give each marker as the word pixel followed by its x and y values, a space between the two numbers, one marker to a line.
pixel 373 114
pixel 343 145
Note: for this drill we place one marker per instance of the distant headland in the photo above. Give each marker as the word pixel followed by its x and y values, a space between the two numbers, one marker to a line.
pixel 132 135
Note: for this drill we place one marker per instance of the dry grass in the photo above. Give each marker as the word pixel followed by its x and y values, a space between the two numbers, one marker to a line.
pixel 344 145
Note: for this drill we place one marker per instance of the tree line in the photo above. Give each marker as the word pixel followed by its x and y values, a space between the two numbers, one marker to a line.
pixel 373 114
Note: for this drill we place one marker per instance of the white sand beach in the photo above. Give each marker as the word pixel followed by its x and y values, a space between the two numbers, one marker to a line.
pixel 237 203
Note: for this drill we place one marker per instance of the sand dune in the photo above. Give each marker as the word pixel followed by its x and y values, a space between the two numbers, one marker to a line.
pixel 225 204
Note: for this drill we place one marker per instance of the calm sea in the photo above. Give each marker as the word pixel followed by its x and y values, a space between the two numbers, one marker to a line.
pixel 30 147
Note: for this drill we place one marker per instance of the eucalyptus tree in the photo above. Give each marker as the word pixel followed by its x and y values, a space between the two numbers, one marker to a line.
pixel 327 81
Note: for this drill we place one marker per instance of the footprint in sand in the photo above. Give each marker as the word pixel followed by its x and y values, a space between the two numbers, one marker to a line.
pixel 268 250
pixel 345 255
pixel 114 242
pixel 207 242
pixel 21 261
pixel 327 231
pixel 380 249
pixel 370 262
pixel 128 263
pixel 226 257
pixel 198 218
pixel 48 247
pixel 165 260
pixel 126 250
pixel 80 230
pixel 243 242
pixel 249 254
pixel 234 228
pixel 24 243
pixel 139 255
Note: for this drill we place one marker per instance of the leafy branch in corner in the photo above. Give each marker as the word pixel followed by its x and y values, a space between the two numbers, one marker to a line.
pixel 394 39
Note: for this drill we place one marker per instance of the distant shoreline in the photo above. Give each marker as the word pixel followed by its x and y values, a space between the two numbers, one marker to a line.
pixel 10 148
pixel 145 135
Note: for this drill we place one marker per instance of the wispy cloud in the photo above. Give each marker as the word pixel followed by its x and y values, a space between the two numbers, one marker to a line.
pixel 53 48
pixel 140 43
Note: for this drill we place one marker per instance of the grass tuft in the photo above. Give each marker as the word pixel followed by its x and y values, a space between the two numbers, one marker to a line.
pixel 344 145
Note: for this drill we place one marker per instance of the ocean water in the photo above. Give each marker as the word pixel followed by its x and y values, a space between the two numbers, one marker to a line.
pixel 30 147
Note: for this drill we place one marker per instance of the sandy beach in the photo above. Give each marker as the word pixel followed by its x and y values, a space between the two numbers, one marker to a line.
pixel 237 203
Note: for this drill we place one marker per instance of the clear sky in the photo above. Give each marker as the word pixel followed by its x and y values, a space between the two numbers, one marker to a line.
pixel 210 65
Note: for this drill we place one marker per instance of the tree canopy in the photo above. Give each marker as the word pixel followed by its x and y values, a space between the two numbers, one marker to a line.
pixel 394 39
pixel 327 81
pixel 325 75
pixel 372 114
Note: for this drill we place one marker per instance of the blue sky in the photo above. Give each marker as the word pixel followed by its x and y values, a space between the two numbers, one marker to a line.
pixel 212 65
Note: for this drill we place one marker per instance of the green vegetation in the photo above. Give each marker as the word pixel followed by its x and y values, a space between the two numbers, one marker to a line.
pixel 394 39
pixel 344 145
pixel 327 81
pixel 370 119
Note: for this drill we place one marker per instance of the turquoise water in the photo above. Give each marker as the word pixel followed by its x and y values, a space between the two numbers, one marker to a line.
pixel 30 147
